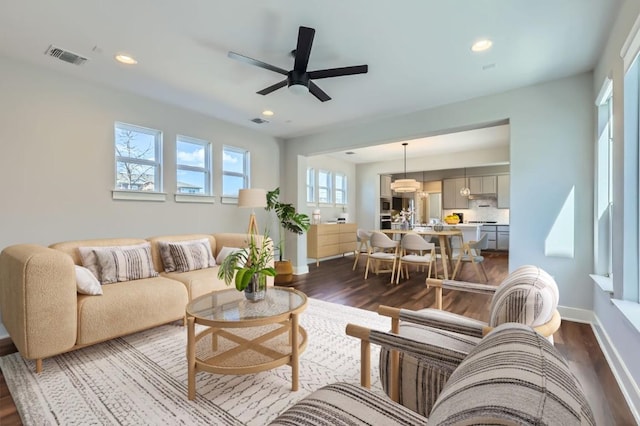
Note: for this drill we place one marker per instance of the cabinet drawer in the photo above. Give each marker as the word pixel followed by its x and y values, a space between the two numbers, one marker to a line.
pixel 324 229
pixel 328 239
pixel 348 238
pixel 347 247
pixel 329 250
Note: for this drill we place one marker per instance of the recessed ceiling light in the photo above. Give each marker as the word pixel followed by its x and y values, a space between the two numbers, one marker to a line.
pixel 481 45
pixel 349 152
pixel 267 112
pixel 125 59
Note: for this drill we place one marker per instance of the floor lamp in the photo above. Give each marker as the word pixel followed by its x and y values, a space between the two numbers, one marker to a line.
pixel 252 198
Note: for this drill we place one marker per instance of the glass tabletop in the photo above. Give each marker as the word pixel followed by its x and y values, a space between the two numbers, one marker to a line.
pixel 231 305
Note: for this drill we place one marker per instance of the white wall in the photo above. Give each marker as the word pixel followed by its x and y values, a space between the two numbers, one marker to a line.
pixel 551 132
pixel 613 327
pixel 57 162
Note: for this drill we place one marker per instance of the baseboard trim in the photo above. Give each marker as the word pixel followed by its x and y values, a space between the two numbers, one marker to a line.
pixel 577 315
pixel 622 375
pixel 300 270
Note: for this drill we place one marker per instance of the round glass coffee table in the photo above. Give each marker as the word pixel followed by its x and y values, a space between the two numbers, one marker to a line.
pixel 242 337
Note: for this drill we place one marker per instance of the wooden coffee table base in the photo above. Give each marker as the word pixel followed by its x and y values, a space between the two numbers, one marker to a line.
pixel 244 348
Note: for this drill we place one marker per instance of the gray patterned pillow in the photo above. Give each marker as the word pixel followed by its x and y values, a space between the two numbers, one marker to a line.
pixel 90 261
pixel 189 256
pixel 165 255
pixel 117 264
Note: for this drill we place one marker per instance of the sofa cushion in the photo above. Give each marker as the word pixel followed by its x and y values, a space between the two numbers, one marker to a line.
pixel 198 282
pixel 86 282
pixel 155 246
pixel 118 264
pixel 347 404
pixel 191 255
pixel 513 376
pixel 128 307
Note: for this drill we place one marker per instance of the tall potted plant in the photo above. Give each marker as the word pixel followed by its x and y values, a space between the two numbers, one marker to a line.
pixel 291 221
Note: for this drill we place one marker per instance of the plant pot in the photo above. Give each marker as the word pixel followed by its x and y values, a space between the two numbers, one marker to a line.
pixel 257 288
pixel 284 271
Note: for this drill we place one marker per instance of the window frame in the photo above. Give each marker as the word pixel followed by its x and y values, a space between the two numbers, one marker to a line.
pixel 328 187
pixel 207 195
pixel 343 190
pixel 137 194
pixel 246 175
pixel 311 186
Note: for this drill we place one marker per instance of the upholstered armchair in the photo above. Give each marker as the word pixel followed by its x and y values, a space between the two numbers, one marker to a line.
pixel 512 376
pixel 528 295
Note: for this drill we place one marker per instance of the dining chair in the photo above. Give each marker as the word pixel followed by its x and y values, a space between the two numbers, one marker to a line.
pixel 471 252
pixel 415 251
pixel 382 249
pixel 363 237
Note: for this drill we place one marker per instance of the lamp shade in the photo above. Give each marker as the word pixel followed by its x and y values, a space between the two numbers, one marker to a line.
pixel 405 185
pixel 252 198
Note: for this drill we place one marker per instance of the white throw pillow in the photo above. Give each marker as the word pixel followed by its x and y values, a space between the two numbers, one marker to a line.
pixel 86 282
pixel 224 252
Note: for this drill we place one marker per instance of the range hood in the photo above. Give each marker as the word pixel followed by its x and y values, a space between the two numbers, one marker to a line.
pixel 483 196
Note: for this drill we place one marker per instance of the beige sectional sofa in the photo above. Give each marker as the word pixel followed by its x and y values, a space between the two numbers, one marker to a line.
pixel 45 315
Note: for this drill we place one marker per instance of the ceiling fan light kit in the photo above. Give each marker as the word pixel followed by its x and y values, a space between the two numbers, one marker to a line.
pixel 405 185
pixel 299 79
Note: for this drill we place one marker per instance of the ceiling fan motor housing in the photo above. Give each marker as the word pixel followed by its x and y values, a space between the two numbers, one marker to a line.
pixel 298 78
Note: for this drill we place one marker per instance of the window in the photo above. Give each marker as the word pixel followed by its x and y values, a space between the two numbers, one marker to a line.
pixel 235 171
pixel 138 158
pixel 324 187
pixel 193 166
pixel 311 186
pixel 341 188
pixel 604 183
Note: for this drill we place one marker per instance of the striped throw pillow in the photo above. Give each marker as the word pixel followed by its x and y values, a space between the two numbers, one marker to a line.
pixel 117 265
pixel 192 255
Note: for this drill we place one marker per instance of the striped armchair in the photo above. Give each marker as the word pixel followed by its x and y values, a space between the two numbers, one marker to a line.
pixel 527 296
pixel 512 376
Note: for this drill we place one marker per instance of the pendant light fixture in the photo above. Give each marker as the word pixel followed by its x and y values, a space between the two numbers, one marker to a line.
pixel 465 191
pixel 405 185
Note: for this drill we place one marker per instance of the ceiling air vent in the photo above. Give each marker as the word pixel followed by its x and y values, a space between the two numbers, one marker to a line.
pixel 259 120
pixel 65 55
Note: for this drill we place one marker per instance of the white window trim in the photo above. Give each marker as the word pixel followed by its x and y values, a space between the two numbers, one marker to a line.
pixel 135 195
pixel 345 190
pixel 208 197
pixel 313 202
pixel 227 198
pixel 329 188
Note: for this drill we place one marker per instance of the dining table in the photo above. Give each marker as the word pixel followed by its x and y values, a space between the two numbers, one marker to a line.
pixel 443 238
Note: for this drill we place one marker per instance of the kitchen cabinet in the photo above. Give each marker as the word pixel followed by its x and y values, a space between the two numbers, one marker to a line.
pixel 325 240
pixel 385 186
pixel 451 198
pixel 492 236
pixel 482 185
pixel 503 237
pixel 503 191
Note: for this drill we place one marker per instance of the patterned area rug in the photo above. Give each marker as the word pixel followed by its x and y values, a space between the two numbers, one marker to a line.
pixel 141 379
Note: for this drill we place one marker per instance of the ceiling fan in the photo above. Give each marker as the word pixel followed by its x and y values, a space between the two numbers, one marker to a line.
pixel 299 79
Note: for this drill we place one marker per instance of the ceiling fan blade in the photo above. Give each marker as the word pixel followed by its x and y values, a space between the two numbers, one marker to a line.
pixel 270 89
pixel 337 72
pixel 303 50
pixel 318 92
pixel 257 63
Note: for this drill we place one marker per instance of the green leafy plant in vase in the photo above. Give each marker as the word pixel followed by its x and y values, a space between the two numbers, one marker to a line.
pixel 289 220
pixel 250 267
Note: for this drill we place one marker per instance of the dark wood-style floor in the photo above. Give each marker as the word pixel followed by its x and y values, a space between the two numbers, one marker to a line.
pixel 334 281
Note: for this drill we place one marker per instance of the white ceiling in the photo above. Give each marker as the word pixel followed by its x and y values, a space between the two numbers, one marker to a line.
pixel 418 51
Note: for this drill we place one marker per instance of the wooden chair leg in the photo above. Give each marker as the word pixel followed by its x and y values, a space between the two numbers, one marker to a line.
pixel 355 262
pixel 484 271
pixel 475 266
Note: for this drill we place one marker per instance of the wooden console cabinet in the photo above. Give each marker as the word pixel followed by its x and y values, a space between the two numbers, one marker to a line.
pixel 327 240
